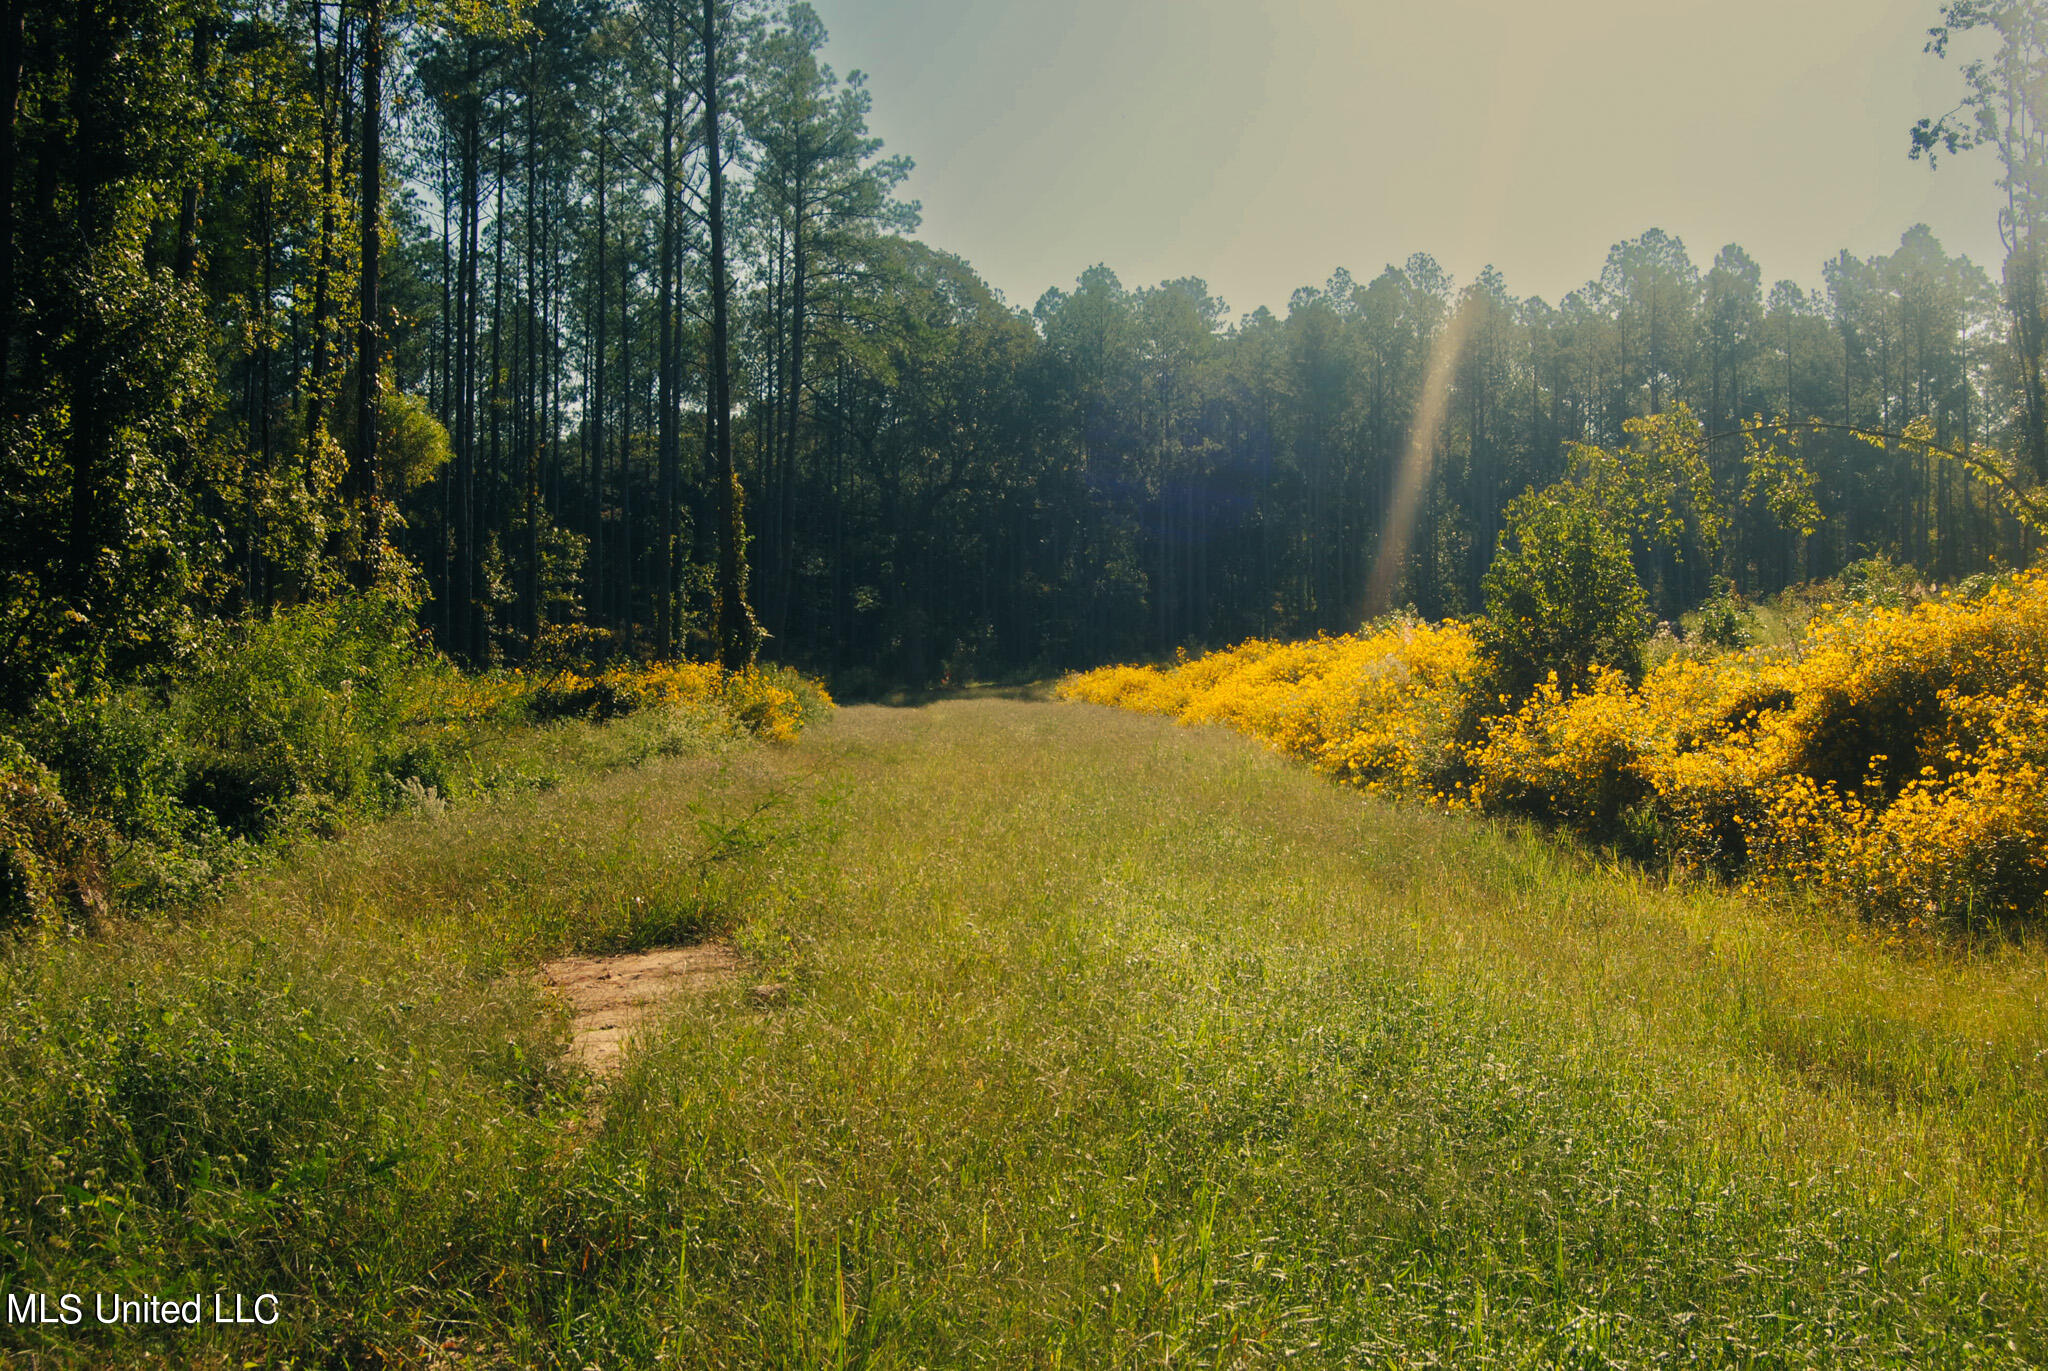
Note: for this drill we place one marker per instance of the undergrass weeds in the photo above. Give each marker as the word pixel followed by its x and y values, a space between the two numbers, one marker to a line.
pixel 298 724
pixel 1108 1043
pixel 348 1083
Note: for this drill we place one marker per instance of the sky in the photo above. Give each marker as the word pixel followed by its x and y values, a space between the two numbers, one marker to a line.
pixel 1260 144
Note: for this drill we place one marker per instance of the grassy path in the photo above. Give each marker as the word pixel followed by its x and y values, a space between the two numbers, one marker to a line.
pixel 1107 1043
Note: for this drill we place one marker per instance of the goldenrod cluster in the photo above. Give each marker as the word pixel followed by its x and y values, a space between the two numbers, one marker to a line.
pixel 1897 759
pixel 453 695
pixel 771 703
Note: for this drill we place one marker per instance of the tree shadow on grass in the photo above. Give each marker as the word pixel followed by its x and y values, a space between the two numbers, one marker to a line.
pixel 906 697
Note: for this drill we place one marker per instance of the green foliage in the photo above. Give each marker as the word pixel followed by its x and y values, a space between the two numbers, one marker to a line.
pixel 1561 597
pixel 2003 109
pixel 302 721
pixel 299 718
pixel 105 453
pixel 1658 487
pixel 1775 480
pixel 1880 581
pixel 1128 469
pixel 112 756
pixel 105 553
pixel 273 726
pixel 53 861
pixel 1724 620
pixel 413 446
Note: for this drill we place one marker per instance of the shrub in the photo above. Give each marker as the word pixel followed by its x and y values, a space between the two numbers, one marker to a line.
pixel 1128 687
pixel 1378 709
pixel 1724 620
pixel 295 722
pixel 1561 598
pixel 1385 711
pixel 1898 759
pixel 298 717
pixel 111 757
pixel 1575 760
pixel 812 703
pixel 775 703
pixel 1878 581
pixel 53 861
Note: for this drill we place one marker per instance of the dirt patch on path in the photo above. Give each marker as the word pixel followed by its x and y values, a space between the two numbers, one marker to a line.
pixel 609 998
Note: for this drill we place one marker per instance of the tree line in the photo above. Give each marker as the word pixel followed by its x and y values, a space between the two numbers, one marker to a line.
pixel 598 326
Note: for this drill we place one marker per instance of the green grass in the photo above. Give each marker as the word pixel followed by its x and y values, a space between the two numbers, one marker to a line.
pixel 1107 1043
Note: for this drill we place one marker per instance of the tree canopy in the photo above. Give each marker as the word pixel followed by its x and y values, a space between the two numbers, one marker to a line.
pixel 608 317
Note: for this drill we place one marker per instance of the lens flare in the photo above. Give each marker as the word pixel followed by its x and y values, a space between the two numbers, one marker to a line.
pixel 1416 462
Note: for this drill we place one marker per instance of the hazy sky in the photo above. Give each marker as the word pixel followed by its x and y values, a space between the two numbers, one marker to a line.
pixel 1259 144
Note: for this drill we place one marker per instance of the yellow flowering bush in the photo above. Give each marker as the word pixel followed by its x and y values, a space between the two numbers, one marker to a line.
pixel 1966 839
pixel 1378 709
pixel 1576 759
pixel 449 695
pixel 1386 711
pixel 1684 752
pixel 1896 760
pixel 771 702
pixel 1264 691
pixel 774 703
pixel 1134 688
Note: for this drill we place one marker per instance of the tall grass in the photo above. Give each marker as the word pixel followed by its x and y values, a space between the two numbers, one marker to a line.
pixel 1106 1043
pixel 347 1083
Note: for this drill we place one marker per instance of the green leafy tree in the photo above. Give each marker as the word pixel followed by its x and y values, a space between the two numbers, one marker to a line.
pixel 1653 289
pixel 104 451
pixel 2005 108
pixel 1561 596
pixel 1658 492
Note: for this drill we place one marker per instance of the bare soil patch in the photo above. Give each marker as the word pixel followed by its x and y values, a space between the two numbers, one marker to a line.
pixel 610 998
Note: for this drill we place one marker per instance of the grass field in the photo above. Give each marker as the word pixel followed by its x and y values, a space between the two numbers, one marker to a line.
pixel 1108 1043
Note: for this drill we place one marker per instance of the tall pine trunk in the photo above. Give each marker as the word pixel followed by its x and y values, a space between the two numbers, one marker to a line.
pixel 596 424
pixel 530 442
pixel 10 101
pixel 666 436
pixel 737 632
pixel 369 349
pixel 785 521
pixel 187 258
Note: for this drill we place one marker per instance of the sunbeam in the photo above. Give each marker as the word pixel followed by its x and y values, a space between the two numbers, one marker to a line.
pixel 1413 478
